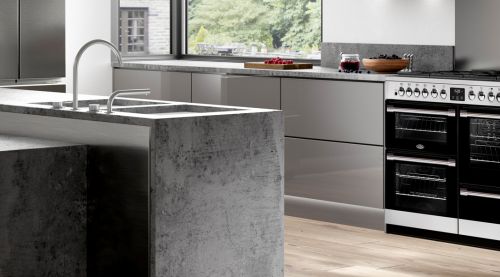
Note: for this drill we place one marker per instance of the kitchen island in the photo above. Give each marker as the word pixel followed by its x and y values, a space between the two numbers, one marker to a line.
pixel 175 189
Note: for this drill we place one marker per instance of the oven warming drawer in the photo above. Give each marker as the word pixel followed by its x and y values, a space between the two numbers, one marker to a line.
pixel 422 221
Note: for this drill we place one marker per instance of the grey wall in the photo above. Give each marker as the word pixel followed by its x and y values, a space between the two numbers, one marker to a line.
pixel 477 34
pixel 427 57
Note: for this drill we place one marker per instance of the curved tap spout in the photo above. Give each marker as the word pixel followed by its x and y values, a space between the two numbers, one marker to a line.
pixel 144 91
pixel 77 62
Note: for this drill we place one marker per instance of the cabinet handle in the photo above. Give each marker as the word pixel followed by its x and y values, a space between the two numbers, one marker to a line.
pixel 466 192
pixel 450 163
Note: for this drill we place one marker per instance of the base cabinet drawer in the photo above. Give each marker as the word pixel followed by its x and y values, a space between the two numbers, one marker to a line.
pixel 336 172
pixel 237 90
pixel 168 86
pixel 344 111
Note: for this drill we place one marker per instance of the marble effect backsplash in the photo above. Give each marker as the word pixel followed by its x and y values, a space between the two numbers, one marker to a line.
pixel 427 57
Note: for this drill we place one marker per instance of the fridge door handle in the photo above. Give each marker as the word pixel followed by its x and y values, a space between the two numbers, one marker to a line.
pixel 449 163
pixel 466 192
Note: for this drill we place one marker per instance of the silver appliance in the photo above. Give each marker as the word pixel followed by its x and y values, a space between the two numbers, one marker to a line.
pixel 32 43
pixel 443 154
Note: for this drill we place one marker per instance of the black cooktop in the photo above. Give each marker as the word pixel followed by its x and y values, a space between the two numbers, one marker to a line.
pixel 459 75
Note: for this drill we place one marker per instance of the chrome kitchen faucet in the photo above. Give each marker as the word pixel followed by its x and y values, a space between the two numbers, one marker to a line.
pixel 77 61
pixel 112 97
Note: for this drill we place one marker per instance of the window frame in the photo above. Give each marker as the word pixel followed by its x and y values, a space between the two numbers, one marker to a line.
pixel 122 33
pixel 179 37
pixel 115 37
pixel 187 56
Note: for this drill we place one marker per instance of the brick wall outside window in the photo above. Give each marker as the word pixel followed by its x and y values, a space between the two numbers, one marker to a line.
pixel 158 23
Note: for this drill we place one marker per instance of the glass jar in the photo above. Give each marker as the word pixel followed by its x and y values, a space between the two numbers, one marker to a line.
pixel 349 62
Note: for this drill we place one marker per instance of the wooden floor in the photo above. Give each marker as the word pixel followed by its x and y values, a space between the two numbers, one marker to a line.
pixel 315 248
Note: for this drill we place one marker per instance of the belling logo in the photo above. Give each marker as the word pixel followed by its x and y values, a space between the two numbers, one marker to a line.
pixel 420 146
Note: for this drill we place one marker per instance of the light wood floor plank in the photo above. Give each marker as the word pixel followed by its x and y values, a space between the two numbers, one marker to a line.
pixel 322 249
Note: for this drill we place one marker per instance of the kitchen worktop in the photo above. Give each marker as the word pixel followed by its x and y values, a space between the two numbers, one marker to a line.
pixel 15 143
pixel 27 102
pixel 174 192
pixel 213 67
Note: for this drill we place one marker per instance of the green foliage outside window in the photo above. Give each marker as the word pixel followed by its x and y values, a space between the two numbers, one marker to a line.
pixel 254 27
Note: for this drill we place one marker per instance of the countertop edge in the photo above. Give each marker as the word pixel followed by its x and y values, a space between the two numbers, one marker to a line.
pixel 221 68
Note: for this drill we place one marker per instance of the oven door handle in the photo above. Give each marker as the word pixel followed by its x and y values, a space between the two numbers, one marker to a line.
pixel 392 109
pixel 466 192
pixel 466 114
pixel 449 163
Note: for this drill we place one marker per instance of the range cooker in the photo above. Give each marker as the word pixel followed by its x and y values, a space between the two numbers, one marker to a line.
pixel 442 137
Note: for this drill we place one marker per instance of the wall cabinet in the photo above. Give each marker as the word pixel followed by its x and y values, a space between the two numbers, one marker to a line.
pixel 343 111
pixel 169 86
pixel 236 90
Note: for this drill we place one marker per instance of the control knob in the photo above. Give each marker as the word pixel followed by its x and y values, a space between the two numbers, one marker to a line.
pixel 409 91
pixel 481 96
pixel 491 96
pixel 416 92
pixel 425 93
pixel 434 93
pixel 443 94
pixel 498 97
pixel 401 91
pixel 472 95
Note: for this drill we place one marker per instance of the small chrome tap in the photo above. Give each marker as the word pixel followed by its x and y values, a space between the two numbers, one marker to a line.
pixel 112 97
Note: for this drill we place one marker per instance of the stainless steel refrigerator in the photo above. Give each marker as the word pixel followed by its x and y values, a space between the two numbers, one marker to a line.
pixel 32 41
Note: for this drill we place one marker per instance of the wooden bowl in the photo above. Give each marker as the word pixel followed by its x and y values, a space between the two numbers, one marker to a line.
pixel 385 65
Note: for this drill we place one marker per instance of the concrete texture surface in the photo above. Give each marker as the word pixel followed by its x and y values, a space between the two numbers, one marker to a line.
pixel 43 210
pixel 217 196
pixel 427 57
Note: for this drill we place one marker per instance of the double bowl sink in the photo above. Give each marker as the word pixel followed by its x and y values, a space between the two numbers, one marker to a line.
pixel 145 107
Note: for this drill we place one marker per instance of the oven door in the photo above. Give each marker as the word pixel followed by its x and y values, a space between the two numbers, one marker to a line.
pixel 421 185
pixel 479 151
pixel 478 211
pixel 420 129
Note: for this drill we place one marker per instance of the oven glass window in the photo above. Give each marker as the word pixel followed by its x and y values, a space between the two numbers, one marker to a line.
pixel 421 127
pixel 485 141
pixel 421 181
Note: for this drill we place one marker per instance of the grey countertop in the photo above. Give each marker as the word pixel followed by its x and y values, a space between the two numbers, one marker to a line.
pixel 213 67
pixel 15 143
pixel 38 103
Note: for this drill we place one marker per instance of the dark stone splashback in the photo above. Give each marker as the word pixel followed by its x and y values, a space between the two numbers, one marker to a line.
pixel 427 57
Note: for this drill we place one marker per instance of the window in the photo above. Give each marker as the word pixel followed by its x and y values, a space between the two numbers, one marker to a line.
pixel 144 27
pixel 134 31
pixel 254 28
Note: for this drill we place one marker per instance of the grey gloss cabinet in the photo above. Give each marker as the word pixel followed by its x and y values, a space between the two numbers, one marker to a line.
pixel 337 172
pixel 237 90
pixel 170 86
pixel 206 88
pixel 42 38
pixel 9 46
pixel 344 111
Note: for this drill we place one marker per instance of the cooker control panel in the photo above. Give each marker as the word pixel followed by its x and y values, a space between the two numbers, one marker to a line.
pixel 469 94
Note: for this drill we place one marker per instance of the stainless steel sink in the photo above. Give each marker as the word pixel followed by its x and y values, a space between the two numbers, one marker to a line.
pixel 172 109
pixel 118 102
